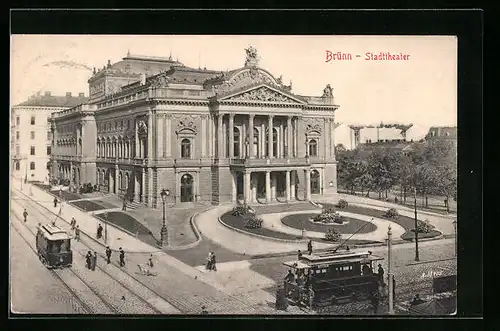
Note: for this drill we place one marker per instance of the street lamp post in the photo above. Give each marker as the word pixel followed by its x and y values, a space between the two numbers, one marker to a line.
pixel 456 239
pixel 106 228
pixel 417 258
pixel 389 247
pixel 164 232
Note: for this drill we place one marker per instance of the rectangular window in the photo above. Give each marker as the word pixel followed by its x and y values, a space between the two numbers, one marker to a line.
pixel 18 120
pixel 32 166
pixel 18 135
pixel 32 134
pixel 49 150
pixel 18 150
pixel 32 150
pixel 32 120
pixel 49 136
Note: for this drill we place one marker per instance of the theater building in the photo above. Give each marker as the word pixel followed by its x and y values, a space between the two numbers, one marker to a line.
pixel 204 135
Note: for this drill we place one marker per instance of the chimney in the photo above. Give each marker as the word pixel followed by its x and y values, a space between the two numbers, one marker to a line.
pixel 47 93
pixel 68 94
pixel 81 94
pixel 109 63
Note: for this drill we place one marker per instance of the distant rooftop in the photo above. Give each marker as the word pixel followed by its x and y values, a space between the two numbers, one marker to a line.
pixel 49 100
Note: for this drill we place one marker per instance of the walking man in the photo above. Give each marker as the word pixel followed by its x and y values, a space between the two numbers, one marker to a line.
pixel 299 254
pixel 55 202
pixel 77 233
pixel 94 261
pixel 380 274
pixel 124 206
pixel 122 257
pixel 309 247
pixel 150 261
pixel 88 260
pixel 25 214
pixel 73 223
pixel 214 266
pixel 108 255
pixel 99 231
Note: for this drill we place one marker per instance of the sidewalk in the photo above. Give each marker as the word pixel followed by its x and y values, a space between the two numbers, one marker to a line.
pixel 273 222
pixel 87 223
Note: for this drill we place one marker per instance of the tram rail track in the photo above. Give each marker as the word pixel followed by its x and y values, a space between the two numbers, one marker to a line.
pixel 113 308
pixel 82 305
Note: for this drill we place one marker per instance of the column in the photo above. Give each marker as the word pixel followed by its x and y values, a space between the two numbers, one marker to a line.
pixel 150 151
pixel 204 136
pixel 246 185
pixel 167 136
pixel 289 136
pixel 219 136
pixel 273 187
pixel 143 185
pixel 292 188
pixel 254 188
pixel 268 186
pixel 270 137
pixel 280 141
pixel 233 187
pixel 327 139
pixel 110 182
pixel 332 138
pixel 250 135
pixel 307 174
pixel 231 135
pixel 262 141
pixel 117 183
pixel 137 186
pixel 137 143
pixel 296 137
pixel 287 185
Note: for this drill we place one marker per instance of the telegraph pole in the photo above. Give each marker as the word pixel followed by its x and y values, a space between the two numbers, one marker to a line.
pixel 417 258
pixel 389 246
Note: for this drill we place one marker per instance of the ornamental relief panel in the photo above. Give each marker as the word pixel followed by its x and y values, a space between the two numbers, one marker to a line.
pixel 313 125
pixel 246 78
pixel 262 94
pixel 187 122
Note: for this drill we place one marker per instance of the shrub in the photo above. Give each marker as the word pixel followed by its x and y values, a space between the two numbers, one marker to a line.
pixel 424 227
pixel 328 216
pixel 391 213
pixel 254 223
pixel 240 210
pixel 333 235
pixel 342 204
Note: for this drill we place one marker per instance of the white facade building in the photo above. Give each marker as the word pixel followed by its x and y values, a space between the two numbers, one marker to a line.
pixel 31 136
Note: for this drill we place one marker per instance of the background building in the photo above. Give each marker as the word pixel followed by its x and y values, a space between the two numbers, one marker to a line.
pixel 152 123
pixel 31 136
pixel 442 133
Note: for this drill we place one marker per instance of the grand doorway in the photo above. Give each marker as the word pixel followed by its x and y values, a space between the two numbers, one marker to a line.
pixel 315 182
pixel 187 188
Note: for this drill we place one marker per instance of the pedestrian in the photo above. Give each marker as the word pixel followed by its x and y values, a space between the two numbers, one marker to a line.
pixel 73 223
pixel 150 261
pixel 393 288
pixel 108 255
pixel 122 257
pixel 213 262
pixel 99 231
pixel 446 202
pixel 25 214
pixel 380 274
pixel 55 202
pixel 396 199
pixel 124 206
pixel 299 254
pixel 209 261
pixel 94 261
pixel 88 260
pixel 347 248
pixel 309 247
pixel 77 233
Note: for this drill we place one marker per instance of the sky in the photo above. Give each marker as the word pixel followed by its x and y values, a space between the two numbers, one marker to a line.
pixel 421 90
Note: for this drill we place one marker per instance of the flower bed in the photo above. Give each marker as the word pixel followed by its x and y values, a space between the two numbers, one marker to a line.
pixel 350 225
pixel 407 223
pixel 87 205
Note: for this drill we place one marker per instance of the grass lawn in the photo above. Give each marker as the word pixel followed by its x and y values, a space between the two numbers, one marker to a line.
pixel 88 205
pixel 406 222
pixel 239 223
pixel 301 221
pixel 42 186
pixel 130 224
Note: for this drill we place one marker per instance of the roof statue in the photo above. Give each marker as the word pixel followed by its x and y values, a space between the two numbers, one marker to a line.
pixel 327 92
pixel 279 80
pixel 143 78
pixel 252 58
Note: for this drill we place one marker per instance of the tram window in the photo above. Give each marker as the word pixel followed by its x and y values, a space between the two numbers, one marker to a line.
pixel 323 271
pixel 64 246
pixel 56 246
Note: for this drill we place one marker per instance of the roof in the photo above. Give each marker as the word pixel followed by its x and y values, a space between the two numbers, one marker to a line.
pixel 54 101
pixel 330 258
pixel 53 232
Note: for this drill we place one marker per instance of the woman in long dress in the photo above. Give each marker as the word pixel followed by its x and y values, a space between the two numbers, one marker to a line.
pixel 209 261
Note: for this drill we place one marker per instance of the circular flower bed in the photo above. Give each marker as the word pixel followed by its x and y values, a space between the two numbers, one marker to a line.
pixel 350 225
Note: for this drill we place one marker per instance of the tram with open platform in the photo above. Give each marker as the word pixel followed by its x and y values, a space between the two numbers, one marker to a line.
pixel 54 246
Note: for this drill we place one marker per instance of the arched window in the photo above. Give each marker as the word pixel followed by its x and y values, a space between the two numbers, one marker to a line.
pixel 313 147
pixel 315 182
pixel 32 165
pixel 187 188
pixel 18 166
pixel 255 144
pixel 236 142
pixel 185 149
pixel 275 142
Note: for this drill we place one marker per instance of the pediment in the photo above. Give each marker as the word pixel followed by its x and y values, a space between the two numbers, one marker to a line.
pixel 262 93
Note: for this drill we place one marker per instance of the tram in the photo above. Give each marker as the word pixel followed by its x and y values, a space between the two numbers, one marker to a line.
pixel 54 246
pixel 324 279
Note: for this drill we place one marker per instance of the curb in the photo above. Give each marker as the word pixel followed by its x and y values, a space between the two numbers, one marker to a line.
pixel 298 241
pixel 89 236
pixel 197 233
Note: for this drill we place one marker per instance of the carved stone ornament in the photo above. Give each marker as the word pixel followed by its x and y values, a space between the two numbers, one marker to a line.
pixel 142 128
pixel 328 92
pixel 252 58
pixel 186 123
pixel 310 128
pixel 263 94
pixel 161 81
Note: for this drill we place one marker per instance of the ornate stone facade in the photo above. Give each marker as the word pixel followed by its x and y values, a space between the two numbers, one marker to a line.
pixel 210 136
